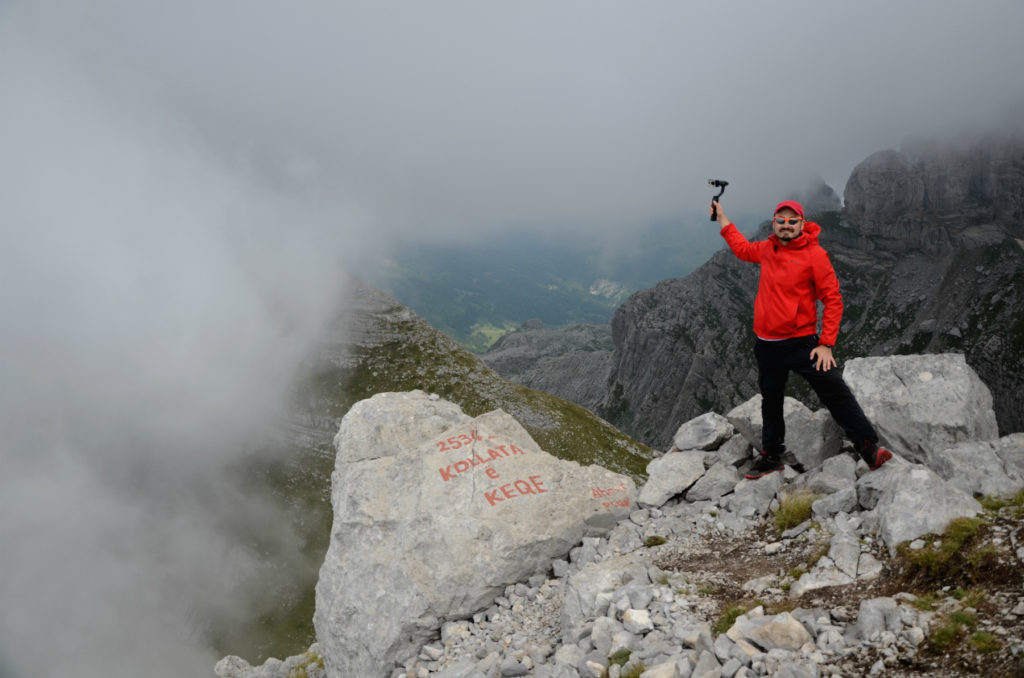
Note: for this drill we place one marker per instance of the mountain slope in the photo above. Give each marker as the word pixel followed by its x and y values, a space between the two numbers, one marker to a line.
pixel 377 345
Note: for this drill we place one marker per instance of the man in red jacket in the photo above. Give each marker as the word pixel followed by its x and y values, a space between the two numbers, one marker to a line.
pixel 795 274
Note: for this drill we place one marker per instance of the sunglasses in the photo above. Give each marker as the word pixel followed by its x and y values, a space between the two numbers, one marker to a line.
pixel 792 221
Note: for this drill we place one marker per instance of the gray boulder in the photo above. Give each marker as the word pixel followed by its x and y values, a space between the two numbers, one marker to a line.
pixel 757 633
pixel 978 468
pixel 824 574
pixel 752 497
pixel 836 473
pixel 923 404
pixel 844 500
pixel 706 432
pixel 811 437
pixel 718 480
pixel 670 475
pixel 735 451
pixel 877 615
pixel 906 501
pixel 1010 450
pixel 435 513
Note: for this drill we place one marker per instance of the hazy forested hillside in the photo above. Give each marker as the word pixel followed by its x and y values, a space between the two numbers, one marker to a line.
pixel 477 291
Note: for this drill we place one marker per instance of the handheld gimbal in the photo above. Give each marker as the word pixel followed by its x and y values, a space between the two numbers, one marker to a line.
pixel 719 184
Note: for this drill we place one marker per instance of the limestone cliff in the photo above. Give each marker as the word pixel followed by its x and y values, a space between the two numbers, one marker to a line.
pixel 571 362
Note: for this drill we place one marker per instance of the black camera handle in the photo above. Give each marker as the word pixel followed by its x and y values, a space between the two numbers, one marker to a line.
pixel 719 184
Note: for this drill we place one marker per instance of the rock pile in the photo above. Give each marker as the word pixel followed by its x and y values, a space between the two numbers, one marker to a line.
pixel 642 594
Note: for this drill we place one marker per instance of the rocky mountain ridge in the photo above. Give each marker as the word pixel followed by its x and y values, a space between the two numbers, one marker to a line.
pixel 929 250
pixel 836 571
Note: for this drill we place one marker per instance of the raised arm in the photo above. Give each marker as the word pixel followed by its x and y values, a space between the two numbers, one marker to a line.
pixel 740 246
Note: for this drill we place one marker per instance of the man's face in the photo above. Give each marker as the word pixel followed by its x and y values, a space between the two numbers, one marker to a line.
pixel 791 227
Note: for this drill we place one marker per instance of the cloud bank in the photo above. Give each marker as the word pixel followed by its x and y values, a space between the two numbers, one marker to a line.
pixel 182 186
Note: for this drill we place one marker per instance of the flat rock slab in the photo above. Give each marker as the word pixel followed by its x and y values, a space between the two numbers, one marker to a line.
pixel 435 513
pixel 978 468
pixel 670 475
pixel 706 432
pixel 718 480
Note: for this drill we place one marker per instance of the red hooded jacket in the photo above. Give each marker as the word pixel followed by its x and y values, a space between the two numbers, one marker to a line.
pixel 793 278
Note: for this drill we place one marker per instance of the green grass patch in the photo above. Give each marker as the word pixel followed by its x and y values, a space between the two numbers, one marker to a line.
pixel 786 605
pixel 984 642
pixel 951 630
pixel 970 597
pixel 794 508
pixel 654 540
pixel 926 603
pixel 728 618
pixel 943 637
pixel 964 618
pixel 819 554
pixel 313 661
pixel 952 557
pixel 620 657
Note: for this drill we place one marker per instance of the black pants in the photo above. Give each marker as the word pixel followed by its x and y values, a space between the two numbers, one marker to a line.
pixel 775 360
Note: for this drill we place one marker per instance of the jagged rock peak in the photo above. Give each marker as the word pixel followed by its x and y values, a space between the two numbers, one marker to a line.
pixel 939 196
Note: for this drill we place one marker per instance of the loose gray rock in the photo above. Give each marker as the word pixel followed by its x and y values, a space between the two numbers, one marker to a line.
pixel 844 550
pixel 707 665
pixel 735 451
pixel 822 575
pixel 752 497
pixel 842 500
pixel 589 591
pixel 811 437
pixel 836 473
pixel 594 665
pixel 763 633
pixel 869 568
pixel 664 670
pixel 637 621
pixel 718 480
pixel 1010 449
pixel 977 469
pixel 670 475
pixel 877 615
pixel 706 432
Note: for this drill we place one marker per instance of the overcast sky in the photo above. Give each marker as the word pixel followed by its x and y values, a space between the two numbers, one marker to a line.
pixel 182 185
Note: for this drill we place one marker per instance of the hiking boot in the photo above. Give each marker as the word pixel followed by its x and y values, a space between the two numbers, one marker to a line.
pixel 873 455
pixel 763 466
pixel 882 455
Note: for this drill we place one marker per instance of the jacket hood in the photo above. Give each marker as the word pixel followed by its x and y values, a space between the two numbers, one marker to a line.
pixel 809 236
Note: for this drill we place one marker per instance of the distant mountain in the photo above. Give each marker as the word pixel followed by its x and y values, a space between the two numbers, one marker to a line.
pixel 476 292
pixel 375 345
pixel 572 362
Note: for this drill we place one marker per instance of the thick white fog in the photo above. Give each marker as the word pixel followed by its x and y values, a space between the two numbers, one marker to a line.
pixel 182 186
